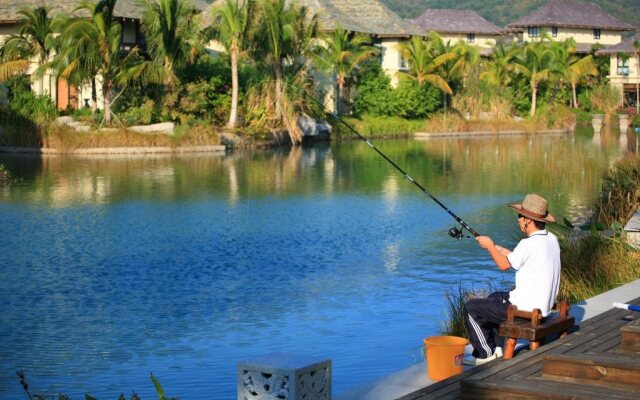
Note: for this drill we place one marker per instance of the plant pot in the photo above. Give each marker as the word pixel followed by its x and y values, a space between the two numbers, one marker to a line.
pixel 623 121
pixel 596 122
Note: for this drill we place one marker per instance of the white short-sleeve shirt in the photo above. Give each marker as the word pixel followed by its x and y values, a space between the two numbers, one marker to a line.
pixel 536 260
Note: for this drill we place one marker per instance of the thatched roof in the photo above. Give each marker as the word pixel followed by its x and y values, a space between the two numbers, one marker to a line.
pixel 455 21
pixel 626 46
pixel 123 9
pixel 572 14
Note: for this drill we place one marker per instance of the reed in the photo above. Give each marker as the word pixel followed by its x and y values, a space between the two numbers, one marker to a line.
pixel 620 195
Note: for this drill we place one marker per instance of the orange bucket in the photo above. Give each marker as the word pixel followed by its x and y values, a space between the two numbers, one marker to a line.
pixel 444 356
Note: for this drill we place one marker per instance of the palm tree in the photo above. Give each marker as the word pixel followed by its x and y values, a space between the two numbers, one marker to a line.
pixel 535 62
pixel 343 54
pixel 571 68
pixel 231 27
pixel 91 47
pixel 467 57
pixel 170 30
pixel 287 35
pixel 424 63
pixel 35 40
pixel 500 68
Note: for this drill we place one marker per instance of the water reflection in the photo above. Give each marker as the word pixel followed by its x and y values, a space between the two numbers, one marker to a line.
pixel 112 268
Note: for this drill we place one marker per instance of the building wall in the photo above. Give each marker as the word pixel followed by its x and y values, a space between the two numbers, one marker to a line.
pixel 485 41
pixel 580 35
pixel 617 79
pixel 391 59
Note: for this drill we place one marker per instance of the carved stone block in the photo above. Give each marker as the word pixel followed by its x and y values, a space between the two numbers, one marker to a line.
pixel 284 376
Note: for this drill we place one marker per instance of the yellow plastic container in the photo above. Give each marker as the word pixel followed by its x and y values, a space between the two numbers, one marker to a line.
pixel 444 356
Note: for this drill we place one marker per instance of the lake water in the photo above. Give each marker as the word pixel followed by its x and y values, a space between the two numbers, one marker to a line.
pixel 115 268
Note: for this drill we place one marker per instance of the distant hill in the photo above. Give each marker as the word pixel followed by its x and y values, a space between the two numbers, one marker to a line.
pixel 503 12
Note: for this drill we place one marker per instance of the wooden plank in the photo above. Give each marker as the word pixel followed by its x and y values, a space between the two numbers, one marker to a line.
pixel 528 364
pixel 600 369
pixel 540 389
pixel 630 336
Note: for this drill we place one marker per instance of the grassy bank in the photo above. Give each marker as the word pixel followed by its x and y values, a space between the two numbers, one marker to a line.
pixel 65 138
pixel 369 126
pixel 558 117
pixel 592 262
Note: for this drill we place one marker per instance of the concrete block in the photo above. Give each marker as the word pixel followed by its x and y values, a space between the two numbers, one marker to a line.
pixel 284 376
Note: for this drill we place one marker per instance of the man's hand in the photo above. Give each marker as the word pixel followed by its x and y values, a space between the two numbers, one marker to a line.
pixel 485 242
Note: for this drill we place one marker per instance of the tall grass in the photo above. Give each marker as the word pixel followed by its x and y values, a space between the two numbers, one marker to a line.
pixel 620 196
pixel 377 126
pixel 67 139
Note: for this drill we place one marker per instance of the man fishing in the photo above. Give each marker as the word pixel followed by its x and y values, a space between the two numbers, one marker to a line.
pixel 536 260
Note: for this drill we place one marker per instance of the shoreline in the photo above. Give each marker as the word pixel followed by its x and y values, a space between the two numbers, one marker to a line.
pixel 485 133
pixel 142 150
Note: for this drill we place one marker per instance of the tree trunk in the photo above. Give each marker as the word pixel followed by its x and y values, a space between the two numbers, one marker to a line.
pixel 106 94
pixel 534 98
pixel 94 96
pixel 278 71
pixel 339 99
pixel 575 98
pixel 233 115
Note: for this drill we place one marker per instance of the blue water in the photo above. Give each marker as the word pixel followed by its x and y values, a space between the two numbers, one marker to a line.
pixel 112 269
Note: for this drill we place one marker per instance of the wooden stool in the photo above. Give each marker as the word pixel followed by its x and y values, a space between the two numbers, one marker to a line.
pixel 532 326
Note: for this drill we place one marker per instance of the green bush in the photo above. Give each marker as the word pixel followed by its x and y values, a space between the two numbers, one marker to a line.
pixel 38 109
pixel 635 121
pixel 376 97
pixel 140 115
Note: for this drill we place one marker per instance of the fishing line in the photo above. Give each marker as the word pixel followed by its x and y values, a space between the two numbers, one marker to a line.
pixel 453 232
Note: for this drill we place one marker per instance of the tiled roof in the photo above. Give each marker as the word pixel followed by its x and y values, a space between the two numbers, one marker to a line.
pixel 363 16
pixel 626 46
pixel 571 13
pixel 455 21
pixel 124 8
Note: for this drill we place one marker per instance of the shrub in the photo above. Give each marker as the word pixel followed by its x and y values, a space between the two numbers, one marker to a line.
pixel 620 195
pixel 140 115
pixel 376 97
pixel 38 109
pixel 605 99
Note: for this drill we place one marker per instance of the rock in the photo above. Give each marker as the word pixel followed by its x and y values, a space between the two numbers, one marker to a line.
pixel 82 128
pixel 66 120
pixel 313 129
pixel 166 128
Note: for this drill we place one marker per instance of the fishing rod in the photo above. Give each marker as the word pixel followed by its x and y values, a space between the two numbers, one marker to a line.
pixel 453 232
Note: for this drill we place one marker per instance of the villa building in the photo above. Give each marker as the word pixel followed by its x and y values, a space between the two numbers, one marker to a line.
pixel 457 25
pixel 64 95
pixel 624 68
pixel 586 23
pixel 369 17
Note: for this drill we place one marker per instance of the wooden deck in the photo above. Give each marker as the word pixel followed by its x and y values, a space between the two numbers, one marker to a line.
pixel 587 364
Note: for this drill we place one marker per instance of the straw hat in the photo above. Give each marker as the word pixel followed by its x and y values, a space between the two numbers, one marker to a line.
pixel 534 207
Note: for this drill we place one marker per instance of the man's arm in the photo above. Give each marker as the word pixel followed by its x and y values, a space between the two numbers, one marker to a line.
pixel 498 253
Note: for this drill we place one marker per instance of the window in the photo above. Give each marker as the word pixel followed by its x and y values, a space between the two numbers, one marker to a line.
pixel 404 64
pixel 554 31
pixel 623 66
pixel 533 31
pixel 596 33
pixel 471 37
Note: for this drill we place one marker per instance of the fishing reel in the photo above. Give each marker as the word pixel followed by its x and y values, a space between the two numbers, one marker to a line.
pixel 457 233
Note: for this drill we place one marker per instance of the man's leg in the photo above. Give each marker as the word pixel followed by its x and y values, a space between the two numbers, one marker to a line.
pixel 482 316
